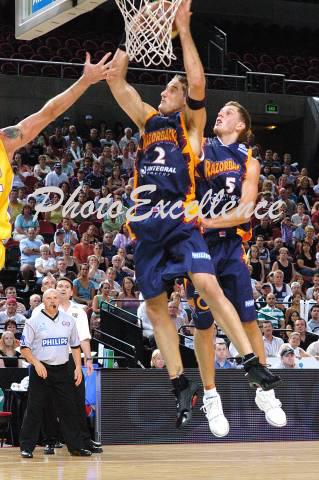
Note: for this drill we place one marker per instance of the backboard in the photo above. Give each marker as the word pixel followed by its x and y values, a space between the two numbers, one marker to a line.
pixel 37 17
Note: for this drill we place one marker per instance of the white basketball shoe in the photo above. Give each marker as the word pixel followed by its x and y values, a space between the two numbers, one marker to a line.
pixel 271 406
pixel 213 410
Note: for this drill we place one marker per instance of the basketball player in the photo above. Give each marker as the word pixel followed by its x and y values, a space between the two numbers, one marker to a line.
pixel 167 248
pixel 15 137
pixel 228 166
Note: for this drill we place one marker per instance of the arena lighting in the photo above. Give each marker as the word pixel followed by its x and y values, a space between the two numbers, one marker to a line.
pixel 271 127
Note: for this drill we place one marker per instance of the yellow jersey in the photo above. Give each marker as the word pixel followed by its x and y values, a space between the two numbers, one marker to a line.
pixel 6 178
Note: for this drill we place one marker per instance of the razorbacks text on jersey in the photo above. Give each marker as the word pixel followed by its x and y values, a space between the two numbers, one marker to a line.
pixel 223 168
pixel 6 178
pixel 165 159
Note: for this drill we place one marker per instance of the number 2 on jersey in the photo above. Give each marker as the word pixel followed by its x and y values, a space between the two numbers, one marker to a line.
pixel 161 155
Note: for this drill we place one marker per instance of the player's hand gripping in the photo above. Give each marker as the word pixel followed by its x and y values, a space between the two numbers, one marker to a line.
pixel 93 73
pixel 117 67
pixel 183 16
pixel 77 376
pixel 41 370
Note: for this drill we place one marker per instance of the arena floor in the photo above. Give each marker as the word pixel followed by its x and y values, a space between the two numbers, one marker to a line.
pixel 258 461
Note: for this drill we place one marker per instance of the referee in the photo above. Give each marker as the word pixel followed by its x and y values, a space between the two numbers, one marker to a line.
pixel 45 344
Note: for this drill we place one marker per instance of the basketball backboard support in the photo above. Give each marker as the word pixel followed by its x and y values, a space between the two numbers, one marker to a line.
pixel 37 17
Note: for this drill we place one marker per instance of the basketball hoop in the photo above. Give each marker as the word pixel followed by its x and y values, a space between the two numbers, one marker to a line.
pixel 149 30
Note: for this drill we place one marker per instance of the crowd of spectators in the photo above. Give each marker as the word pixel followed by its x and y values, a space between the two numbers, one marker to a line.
pixel 93 167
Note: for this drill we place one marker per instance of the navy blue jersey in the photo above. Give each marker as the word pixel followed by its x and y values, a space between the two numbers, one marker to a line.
pixel 165 159
pixel 223 167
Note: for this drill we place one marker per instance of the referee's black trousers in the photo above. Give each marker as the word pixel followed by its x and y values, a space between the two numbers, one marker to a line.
pixel 58 385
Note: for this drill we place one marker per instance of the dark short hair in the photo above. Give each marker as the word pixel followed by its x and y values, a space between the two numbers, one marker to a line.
pixel 183 80
pixel 246 118
pixel 10 322
pixel 65 279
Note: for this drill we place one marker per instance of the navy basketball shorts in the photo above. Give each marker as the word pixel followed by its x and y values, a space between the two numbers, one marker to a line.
pixel 233 276
pixel 166 249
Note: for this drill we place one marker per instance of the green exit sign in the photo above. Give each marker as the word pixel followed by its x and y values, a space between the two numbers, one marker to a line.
pixel 271 108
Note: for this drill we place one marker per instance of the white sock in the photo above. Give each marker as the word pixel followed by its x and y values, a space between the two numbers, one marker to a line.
pixel 212 392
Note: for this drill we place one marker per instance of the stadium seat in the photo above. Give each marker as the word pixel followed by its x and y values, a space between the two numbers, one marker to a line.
pixel 147 78
pixel 264 68
pixel 251 58
pixel 108 46
pixel 70 72
pixel 81 53
pixel 298 70
pixel 30 70
pixel 293 89
pixel 281 68
pixel 45 51
pixel 220 84
pixel 90 45
pixel 283 59
pixel 18 56
pixel 8 68
pixel 53 42
pixel 6 49
pixel 99 54
pixel 300 62
pixel 65 53
pixel 276 87
pixel 73 44
pixel 265 58
pixel 50 71
pixel 26 50
pixel 57 58
pixel 37 56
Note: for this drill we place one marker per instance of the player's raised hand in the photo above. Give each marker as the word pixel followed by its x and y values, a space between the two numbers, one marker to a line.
pixel 94 73
pixel 183 16
pixel 117 67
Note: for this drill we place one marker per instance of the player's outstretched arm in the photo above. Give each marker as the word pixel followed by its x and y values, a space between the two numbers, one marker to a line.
pixel 125 95
pixel 195 113
pixel 15 137
pixel 243 212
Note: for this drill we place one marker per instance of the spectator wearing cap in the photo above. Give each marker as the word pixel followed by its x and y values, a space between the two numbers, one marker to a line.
pixel 12 292
pixel 11 313
pixel 30 251
pixel 56 177
pixel 84 130
pixel 69 236
pixel 285 265
pixel 23 223
pixel 127 138
pixel 108 141
pixel 41 170
pixel 271 313
pixel 306 338
pixel 265 289
pixel 313 322
pixel 287 358
pixel 272 344
pixel 44 264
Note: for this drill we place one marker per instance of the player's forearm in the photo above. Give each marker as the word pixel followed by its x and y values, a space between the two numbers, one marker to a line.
pixel 76 354
pixel 86 348
pixel 59 104
pixel 193 65
pixel 27 354
pixel 233 218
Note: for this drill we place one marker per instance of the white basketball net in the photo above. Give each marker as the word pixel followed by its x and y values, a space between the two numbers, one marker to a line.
pixel 148 27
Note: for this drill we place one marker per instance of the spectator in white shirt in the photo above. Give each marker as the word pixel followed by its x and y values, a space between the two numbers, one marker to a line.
pixel 11 313
pixel 309 292
pixel 272 344
pixel 45 264
pixel 55 178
